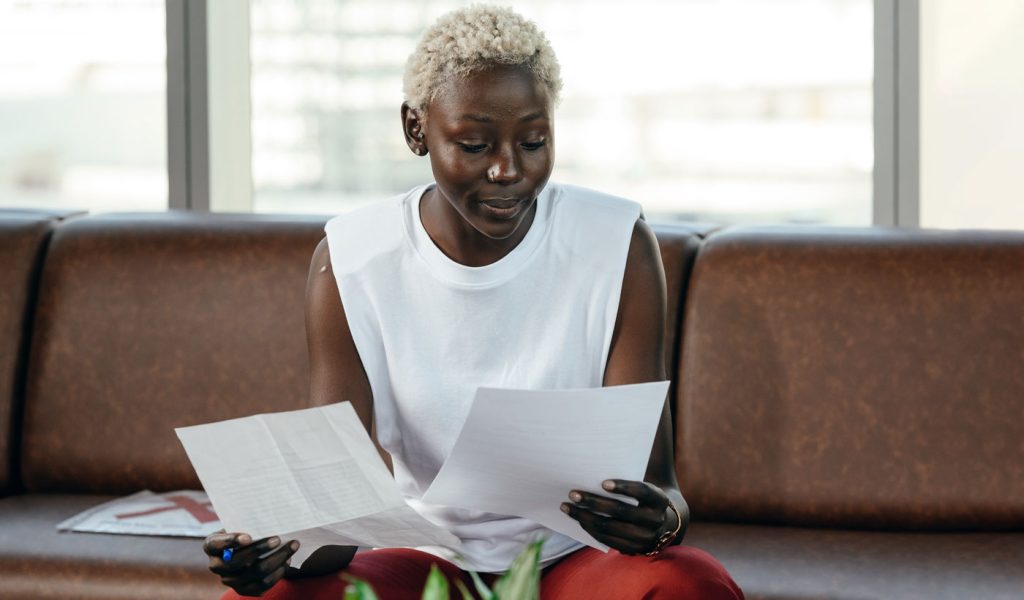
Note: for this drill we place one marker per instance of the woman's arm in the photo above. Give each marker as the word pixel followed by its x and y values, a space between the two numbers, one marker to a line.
pixel 336 375
pixel 637 355
pixel 336 372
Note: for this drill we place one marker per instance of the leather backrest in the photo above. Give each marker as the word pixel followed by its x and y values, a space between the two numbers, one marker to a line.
pixel 150 322
pixel 855 378
pixel 23 238
pixel 678 243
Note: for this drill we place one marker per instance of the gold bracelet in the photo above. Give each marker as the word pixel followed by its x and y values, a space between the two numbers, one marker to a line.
pixel 668 537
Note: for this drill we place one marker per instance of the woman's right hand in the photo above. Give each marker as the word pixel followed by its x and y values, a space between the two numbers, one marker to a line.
pixel 254 567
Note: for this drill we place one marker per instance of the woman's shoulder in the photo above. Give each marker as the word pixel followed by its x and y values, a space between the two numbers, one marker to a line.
pixel 372 214
pixel 592 226
pixel 585 216
pixel 579 199
pixel 358 236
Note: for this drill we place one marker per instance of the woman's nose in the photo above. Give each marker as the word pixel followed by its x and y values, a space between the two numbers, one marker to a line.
pixel 505 167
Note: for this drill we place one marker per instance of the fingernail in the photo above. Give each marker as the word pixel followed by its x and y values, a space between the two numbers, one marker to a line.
pixel 294 545
pixel 608 485
pixel 244 539
pixel 274 542
pixel 565 508
pixel 575 496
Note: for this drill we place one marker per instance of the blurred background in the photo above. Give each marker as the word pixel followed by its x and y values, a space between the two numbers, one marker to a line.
pixel 734 111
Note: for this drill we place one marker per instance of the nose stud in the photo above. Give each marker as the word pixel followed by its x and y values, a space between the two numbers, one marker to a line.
pixel 492 174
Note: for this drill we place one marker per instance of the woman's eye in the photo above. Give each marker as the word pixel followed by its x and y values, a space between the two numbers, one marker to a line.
pixel 534 145
pixel 472 148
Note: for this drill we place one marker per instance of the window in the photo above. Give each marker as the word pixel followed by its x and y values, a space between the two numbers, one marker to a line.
pixel 727 111
pixel 972 134
pixel 730 111
pixel 82 95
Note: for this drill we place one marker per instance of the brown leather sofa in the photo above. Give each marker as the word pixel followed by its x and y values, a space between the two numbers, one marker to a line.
pixel 848 401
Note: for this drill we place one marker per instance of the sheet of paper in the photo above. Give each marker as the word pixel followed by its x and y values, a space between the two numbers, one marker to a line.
pixel 380 530
pixel 184 513
pixel 311 470
pixel 521 452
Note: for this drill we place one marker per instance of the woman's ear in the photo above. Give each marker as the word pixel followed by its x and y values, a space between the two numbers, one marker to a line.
pixel 413 125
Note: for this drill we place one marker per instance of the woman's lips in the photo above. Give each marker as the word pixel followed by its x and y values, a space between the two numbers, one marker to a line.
pixel 502 208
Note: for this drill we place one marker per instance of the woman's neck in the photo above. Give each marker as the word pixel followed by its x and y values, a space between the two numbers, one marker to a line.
pixel 459 240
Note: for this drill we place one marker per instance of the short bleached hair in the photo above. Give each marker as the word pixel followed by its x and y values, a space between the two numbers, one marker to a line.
pixel 473 39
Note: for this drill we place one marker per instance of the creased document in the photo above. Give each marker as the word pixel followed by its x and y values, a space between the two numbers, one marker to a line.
pixel 521 452
pixel 312 475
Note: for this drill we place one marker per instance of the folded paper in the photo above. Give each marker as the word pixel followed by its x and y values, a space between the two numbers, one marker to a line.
pixel 312 475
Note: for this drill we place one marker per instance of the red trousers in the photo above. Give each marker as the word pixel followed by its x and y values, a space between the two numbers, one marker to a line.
pixel 679 573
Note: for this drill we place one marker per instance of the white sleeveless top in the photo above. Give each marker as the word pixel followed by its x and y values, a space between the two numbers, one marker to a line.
pixel 429 331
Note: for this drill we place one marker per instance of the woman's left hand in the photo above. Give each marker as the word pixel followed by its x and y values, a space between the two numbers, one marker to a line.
pixel 620 525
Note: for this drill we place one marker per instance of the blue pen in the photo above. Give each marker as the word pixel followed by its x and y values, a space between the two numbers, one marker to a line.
pixel 227 554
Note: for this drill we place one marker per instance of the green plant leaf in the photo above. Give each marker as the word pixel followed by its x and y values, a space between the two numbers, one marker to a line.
pixel 437 585
pixel 522 581
pixel 358 589
pixel 481 587
pixel 465 591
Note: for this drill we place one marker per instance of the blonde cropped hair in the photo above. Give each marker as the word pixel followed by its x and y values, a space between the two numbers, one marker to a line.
pixel 472 39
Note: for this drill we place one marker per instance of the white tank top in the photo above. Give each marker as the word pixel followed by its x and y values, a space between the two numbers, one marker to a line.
pixel 429 331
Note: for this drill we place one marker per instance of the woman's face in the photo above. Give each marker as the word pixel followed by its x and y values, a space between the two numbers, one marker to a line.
pixel 491 147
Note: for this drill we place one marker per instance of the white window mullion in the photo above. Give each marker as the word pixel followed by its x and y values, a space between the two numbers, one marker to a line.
pixel 229 106
pixel 208 114
pixel 896 176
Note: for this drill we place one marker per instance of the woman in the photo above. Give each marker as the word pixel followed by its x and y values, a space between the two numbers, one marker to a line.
pixel 494 276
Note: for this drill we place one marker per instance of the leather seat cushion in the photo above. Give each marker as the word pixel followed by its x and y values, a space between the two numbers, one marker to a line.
pixel 788 563
pixel 37 561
